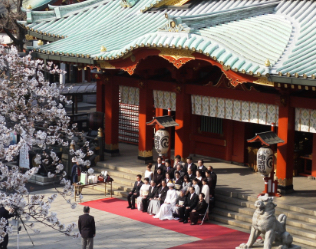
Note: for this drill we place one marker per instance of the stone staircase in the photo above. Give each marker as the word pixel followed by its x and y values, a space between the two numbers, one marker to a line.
pixel 124 178
pixel 237 210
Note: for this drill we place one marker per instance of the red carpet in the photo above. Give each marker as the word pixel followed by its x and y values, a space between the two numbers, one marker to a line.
pixel 210 234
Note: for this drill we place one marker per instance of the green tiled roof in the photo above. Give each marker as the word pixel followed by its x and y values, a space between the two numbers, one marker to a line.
pixel 239 34
pixel 37 4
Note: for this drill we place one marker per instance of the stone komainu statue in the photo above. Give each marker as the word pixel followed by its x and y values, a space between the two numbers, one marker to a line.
pixel 264 223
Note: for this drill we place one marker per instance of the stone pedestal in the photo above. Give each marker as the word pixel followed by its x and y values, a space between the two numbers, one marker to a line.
pixel 259 244
pixel 43 180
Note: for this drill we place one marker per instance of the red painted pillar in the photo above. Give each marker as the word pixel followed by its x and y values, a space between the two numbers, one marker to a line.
pixel 100 95
pixel 314 156
pixel 146 133
pixel 285 151
pixel 228 130
pixel 111 92
pixel 183 118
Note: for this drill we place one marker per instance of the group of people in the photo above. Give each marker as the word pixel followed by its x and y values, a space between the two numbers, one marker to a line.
pixel 179 191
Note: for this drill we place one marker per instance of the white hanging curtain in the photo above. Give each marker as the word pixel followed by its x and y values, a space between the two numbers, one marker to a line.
pixel 305 120
pixel 238 110
pixel 165 100
pixel 129 95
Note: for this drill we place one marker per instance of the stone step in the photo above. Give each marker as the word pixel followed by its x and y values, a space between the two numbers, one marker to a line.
pixel 121 169
pixel 121 193
pixel 248 218
pixel 279 201
pixel 289 213
pixel 250 211
pixel 245 225
pixel 115 173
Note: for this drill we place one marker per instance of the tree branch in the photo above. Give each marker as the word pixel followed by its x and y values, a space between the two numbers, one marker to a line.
pixel 15 41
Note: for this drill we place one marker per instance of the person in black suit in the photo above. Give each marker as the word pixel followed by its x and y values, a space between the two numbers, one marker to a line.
pixel 169 169
pixel 190 165
pixel 181 171
pixel 191 202
pixel 162 192
pixel 135 192
pixel 178 179
pixel 210 182
pixel 177 159
pixel 86 226
pixel 6 215
pixel 191 175
pixel 151 195
pixel 199 209
pixel 201 167
pixel 213 175
pixel 158 177
pixel 159 165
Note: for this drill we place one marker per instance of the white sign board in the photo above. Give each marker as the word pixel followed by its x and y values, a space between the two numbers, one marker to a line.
pixel 24 157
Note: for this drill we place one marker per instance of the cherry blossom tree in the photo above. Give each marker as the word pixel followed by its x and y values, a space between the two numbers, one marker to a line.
pixel 33 108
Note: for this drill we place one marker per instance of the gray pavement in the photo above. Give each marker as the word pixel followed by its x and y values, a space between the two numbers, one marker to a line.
pixel 113 231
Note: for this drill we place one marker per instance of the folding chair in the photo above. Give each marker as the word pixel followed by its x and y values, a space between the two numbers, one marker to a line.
pixel 205 215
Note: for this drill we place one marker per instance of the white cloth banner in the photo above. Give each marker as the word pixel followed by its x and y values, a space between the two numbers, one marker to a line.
pixel 129 95
pixel 238 110
pixel 305 120
pixel 24 161
pixel 165 100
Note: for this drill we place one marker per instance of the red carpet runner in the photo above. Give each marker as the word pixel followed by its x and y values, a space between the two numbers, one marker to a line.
pixel 211 235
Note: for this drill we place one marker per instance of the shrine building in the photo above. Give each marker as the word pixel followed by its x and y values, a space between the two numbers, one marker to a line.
pixel 225 69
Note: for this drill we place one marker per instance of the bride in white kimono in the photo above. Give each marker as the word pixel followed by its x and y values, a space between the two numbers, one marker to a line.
pixel 167 208
pixel 143 193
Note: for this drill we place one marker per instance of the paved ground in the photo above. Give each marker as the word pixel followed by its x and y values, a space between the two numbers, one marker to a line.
pixel 113 231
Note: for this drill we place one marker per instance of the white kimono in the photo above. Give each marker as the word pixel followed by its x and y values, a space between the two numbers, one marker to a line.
pixel 143 193
pixel 206 191
pixel 197 188
pixel 166 209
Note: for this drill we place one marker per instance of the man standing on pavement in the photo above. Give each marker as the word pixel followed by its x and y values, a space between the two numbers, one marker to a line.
pixel 86 226
pixel 135 192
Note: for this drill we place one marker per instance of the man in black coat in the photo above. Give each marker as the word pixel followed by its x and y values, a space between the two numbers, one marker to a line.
pixel 162 192
pixel 213 176
pixel 151 195
pixel 169 169
pixel 86 226
pixel 191 202
pixel 201 167
pixel 190 165
pixel 177 179
pixel 135 192
pixel 6 215
pixel 191 174
pixel 160 165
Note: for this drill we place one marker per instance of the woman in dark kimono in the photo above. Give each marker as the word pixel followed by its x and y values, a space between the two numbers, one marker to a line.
pixel 158 177
pixel 199 209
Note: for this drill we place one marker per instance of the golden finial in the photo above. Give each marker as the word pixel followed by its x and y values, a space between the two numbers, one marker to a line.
pixel 296 75
pixel 313 76
pixel 280 73
pixel 29 7
pixel 103 49
pixel 305 76
pixel 100 133
pixel 267 63
pixel 288 74
pixel 40 43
